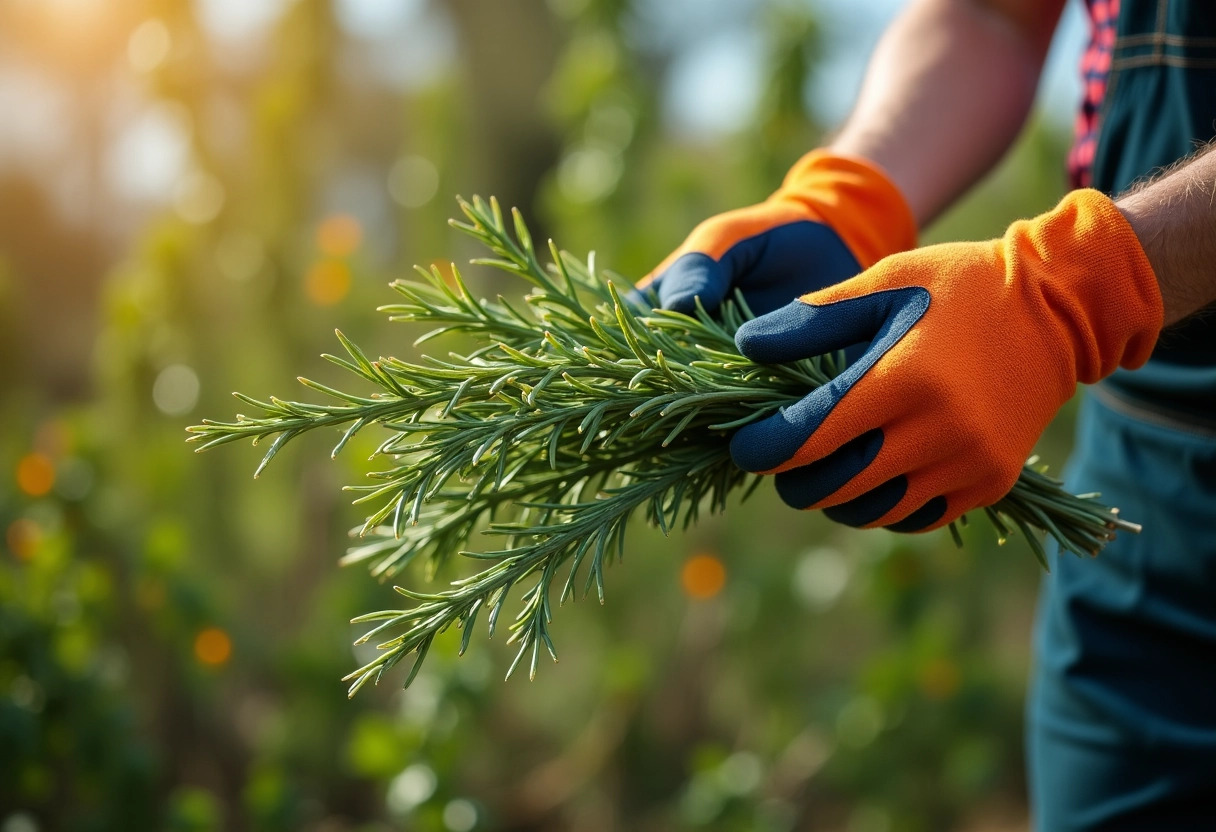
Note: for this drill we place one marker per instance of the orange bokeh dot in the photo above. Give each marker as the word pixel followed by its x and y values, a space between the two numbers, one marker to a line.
pixel 328 282
pixel 22 538
pixel 212 646
pixel 703 576
pixel 940 679
pixel 339 235
pixel 35 474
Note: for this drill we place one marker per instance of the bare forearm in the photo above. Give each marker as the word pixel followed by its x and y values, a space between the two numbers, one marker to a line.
pixel 1174 216
pixel 946 93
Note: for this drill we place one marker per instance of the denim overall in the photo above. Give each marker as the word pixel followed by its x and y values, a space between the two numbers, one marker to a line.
pixel 1121 717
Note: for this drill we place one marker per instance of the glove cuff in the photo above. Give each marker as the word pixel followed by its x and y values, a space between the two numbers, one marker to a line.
pixel 856 199
pixel 1097 278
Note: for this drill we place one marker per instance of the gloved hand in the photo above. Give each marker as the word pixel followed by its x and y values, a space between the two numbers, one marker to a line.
pixel 832 217
pixel 973 349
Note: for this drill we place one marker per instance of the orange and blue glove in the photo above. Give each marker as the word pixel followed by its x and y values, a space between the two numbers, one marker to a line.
pixel 973 347
pixel 832 217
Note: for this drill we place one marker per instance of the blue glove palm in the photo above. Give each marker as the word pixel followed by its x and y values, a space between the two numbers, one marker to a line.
pixel 832 217
pixel 769 269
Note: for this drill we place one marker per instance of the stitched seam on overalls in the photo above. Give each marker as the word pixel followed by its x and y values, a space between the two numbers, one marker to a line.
pixel 1148 39
pixel 1176 61
pixel 1162 21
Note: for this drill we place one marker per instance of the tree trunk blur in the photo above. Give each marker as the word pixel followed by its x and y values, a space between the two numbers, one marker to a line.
pixel 509 50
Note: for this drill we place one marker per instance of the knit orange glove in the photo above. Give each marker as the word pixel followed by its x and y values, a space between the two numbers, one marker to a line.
pixel 832 217
pixel 973 348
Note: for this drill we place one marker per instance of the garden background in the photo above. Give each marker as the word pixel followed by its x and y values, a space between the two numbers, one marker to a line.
pixel 193 195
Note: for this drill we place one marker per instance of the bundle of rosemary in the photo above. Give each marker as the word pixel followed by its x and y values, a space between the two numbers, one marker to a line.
pixel 575 412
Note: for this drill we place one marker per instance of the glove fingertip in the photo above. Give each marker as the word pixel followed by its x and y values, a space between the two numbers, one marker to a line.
pixel 866 509
pixel 768 444
pixel 694 275
pixel 684 303
pixel 778 336
pixel 806 485
pixel 922 518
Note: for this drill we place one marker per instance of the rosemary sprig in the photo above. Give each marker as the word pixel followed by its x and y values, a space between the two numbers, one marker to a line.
pixel 575 412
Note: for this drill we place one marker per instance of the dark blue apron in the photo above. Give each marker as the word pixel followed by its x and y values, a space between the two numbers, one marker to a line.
pixel 1122 711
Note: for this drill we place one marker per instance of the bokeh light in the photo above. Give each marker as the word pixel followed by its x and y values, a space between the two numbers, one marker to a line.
pixel 149 45
pixel 327 282
pixel 239 23
pixel 212 647
pixel 703 576
pixel 198 197
pixel 411 788
pixel 859 722
pixel 339 235
pixel 22 537
pixel 820 577
pixel 413 181
pixel 459 815
pixel 589 175
pixel 150 153
pixel 19 822
pixel 35 474
pixel 175 391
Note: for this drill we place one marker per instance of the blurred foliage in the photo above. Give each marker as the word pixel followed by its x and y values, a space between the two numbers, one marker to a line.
pixel 172 633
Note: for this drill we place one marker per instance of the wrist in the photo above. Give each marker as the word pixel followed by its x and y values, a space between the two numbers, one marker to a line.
pixel 857 199
pixel 1149 224
pixel 1098 279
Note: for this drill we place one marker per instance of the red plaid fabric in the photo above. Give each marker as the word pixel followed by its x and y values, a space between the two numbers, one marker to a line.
pixel 1095 67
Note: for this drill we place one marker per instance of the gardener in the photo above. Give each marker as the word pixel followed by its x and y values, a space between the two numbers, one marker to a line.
pixel 973 347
